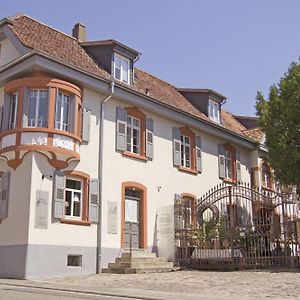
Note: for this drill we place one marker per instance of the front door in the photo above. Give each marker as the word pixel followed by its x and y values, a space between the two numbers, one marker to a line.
pixel 132 219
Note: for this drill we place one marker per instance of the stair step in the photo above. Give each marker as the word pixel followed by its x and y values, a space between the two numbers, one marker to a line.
pixel 138 270
pixel 137 254
pixel 139 259
pixel 140 264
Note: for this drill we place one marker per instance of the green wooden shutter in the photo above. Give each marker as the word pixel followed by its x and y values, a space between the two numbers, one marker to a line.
pixel 149 138
pixel 176 147
pixel 121 128
pixel 59 195
pixel 221 152
pixel 94 200
pixel 86 125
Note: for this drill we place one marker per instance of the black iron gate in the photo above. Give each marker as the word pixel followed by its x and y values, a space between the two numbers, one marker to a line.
pixel 237 227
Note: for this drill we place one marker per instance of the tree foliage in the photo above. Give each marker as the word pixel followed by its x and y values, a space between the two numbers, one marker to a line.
pixel 279 118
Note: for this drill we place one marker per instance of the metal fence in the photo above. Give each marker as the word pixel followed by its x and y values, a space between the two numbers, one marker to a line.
pixel 237 227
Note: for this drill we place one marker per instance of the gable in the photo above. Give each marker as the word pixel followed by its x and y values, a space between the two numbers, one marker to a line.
pixel 8 52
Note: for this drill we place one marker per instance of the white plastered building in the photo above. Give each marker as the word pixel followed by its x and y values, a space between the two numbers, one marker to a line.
pixel 90 144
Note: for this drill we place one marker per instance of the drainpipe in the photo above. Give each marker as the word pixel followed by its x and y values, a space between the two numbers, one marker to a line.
pixel 100 175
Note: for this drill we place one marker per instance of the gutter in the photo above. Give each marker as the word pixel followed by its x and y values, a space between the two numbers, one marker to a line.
pixel 100 175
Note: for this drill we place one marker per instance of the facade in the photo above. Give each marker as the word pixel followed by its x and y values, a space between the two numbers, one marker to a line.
pixel 93 148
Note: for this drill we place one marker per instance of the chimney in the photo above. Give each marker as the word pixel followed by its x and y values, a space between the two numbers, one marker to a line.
pixel 79 32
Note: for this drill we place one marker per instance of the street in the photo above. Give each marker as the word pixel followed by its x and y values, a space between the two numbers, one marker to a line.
pixel 8 292
pixel 187 285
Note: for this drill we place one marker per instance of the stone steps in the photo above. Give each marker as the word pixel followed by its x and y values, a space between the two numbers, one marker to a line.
pixel 138 271
pixel 139 262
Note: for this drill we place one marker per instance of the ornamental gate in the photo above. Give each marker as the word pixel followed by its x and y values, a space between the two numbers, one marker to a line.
pixel 237 227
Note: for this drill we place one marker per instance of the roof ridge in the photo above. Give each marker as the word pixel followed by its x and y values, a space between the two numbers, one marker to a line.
pixel 48 26
pixel 154 76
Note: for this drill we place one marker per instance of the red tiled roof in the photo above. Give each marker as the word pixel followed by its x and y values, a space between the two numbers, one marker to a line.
pixel 163 92
pixel 254 133
pixel 231 123
pixel 43 38
pixel 38 36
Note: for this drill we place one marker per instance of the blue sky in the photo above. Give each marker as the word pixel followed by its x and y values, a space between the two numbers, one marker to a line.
pixel 235 47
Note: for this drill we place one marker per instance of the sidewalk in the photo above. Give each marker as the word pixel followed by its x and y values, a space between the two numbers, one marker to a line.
pixel 188 285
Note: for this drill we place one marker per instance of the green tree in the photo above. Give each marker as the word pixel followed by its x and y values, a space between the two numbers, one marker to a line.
pixel 279 118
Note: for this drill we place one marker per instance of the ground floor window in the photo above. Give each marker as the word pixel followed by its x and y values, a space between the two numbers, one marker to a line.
pixel 73 198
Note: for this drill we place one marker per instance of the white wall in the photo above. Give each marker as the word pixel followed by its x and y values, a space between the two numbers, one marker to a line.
pixel 159 172
pixel 14 228
pixel 58 233
pixel 7 52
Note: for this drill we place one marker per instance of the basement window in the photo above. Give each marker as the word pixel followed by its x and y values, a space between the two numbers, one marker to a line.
pixel 74 260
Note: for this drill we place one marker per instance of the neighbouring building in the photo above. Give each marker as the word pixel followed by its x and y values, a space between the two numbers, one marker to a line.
pixel 92 147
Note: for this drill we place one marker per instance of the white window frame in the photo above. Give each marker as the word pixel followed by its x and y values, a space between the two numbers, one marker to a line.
pixel 214 111
pixel 59 124
pixel 71 216
pixel 228 164
pixel 183 155
pixel 36 122
pixel 13 98
pixel 131 127
pixel 121 68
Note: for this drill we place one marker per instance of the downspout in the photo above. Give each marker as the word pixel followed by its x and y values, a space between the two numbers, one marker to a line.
pixel 100 175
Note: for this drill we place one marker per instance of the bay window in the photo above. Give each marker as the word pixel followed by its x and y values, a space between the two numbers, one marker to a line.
pixel 38 108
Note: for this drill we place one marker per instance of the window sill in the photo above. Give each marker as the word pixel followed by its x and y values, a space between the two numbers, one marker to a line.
pixel 229 180
pixel 268 189
pixel 75 222
pixel 187 170
pixel 134 155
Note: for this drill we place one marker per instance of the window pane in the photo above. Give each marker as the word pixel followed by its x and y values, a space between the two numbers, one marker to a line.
pixel 125 68
pixel 68 203
pixel 12 113
pixel 43 109
pixel 118 73
pixel 129 120
pixel 136 122
pixel 58 111
pixel 76 204
pixel 73 184
pixel 128 138
pixel 62 111
pixel 65 112
pixel 32 108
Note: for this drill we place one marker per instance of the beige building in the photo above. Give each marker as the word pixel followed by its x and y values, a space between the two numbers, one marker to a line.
pixel 92 147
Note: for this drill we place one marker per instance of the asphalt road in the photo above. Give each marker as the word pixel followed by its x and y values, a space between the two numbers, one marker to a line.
pixel 24 293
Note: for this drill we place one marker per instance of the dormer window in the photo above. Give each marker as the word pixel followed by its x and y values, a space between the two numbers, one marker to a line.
pixel 214 111
pixel 121 68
